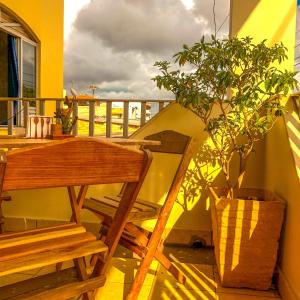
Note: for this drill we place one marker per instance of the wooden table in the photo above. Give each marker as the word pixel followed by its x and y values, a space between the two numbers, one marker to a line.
pixel 23 142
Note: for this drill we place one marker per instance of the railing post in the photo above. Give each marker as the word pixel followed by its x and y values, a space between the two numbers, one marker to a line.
pixel 91 118
pixel 25 116
pixel 75 115
pixel 108 118
pixel 58 105
pixel 143 113
pixel 161 105
pixel 125 119
pixel 10 117
pixel 42 108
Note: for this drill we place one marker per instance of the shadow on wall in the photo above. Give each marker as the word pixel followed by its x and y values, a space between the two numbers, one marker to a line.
pixel 293 129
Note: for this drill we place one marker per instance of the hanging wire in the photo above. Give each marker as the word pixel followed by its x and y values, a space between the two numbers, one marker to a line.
pixel 223 23
pixel 214 13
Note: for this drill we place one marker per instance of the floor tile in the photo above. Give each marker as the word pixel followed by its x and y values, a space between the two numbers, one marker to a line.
pixel 171 293
pixel 119 291
pixel 225 296
pixel 203 256
pixel 123 271
pixel 199 277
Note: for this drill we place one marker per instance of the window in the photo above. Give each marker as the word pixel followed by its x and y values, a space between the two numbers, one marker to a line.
pixel 28 70
pixel 18 64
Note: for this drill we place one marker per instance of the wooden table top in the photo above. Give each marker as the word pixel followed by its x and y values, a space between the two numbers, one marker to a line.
pixel 12 142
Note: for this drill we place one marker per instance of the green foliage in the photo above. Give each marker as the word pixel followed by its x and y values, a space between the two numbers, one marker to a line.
pixel 235 87
pixel 64 117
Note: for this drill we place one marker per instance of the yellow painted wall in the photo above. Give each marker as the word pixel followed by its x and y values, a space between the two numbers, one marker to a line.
pixel 276 21
pixel 45 19
pixel 191 211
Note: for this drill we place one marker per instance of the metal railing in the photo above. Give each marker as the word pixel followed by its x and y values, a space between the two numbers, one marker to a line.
pixel 19 110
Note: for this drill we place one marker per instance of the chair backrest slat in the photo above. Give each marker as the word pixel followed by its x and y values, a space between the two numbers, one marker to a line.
pixel 75 161
pixel 171 142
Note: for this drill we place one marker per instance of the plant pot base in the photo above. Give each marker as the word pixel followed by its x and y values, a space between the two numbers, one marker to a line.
pixel 246 235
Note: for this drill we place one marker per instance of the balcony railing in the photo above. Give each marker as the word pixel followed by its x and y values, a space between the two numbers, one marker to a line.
pixel 19 110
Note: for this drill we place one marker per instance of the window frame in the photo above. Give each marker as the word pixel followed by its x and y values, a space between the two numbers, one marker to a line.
pixel 20 39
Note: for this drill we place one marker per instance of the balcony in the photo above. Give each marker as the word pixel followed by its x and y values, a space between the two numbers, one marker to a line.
pixel 135 124
pixel 197 264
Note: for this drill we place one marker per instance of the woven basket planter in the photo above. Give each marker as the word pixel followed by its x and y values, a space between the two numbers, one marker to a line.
pixel 246 235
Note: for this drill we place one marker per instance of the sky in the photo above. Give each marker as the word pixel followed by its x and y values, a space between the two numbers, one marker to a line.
pixel 114 44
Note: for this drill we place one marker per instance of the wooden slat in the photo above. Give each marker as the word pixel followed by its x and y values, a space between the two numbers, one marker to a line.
pixel 88 161
pixel 67 291
pixel 91 118
pixel 143 113
pixel 9 235
pixel 17 142
pixel 97 207
pixel 114 203
pixel 108 211
pixel 42 259
pixel 171 142
pixel 139 204
pixel 108 118
pixel 125 119
pixel 40 237
pixel 45 245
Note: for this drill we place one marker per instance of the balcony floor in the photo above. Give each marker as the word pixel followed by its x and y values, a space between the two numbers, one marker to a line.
pixel 202 280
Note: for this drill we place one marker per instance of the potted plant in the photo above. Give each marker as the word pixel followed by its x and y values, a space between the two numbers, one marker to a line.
pixel 64 121
pixel 235 87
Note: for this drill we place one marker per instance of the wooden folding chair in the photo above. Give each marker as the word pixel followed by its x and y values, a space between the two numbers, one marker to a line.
pixel 68 163
pixel 148 245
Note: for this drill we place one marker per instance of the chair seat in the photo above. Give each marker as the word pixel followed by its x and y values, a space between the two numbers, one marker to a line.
pixel 107 207
pixel 37 248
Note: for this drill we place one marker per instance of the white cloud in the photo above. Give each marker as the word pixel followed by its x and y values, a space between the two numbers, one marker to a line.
pixel 71 9
pixel 114 44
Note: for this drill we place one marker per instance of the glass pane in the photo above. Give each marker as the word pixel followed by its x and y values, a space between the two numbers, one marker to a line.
pixel 29 70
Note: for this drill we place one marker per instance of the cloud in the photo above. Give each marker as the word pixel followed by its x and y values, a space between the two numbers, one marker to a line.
pixel 147 26
pixel 114 44
pixel 204 9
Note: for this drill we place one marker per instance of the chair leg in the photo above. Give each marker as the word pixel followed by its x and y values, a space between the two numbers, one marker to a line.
pixel 81 271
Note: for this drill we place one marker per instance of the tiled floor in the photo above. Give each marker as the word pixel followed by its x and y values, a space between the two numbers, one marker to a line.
pixel 202 280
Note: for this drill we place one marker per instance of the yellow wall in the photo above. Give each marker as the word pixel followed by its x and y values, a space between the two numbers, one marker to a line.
pixel 276 21
pixel 191 211
pixel 45 19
